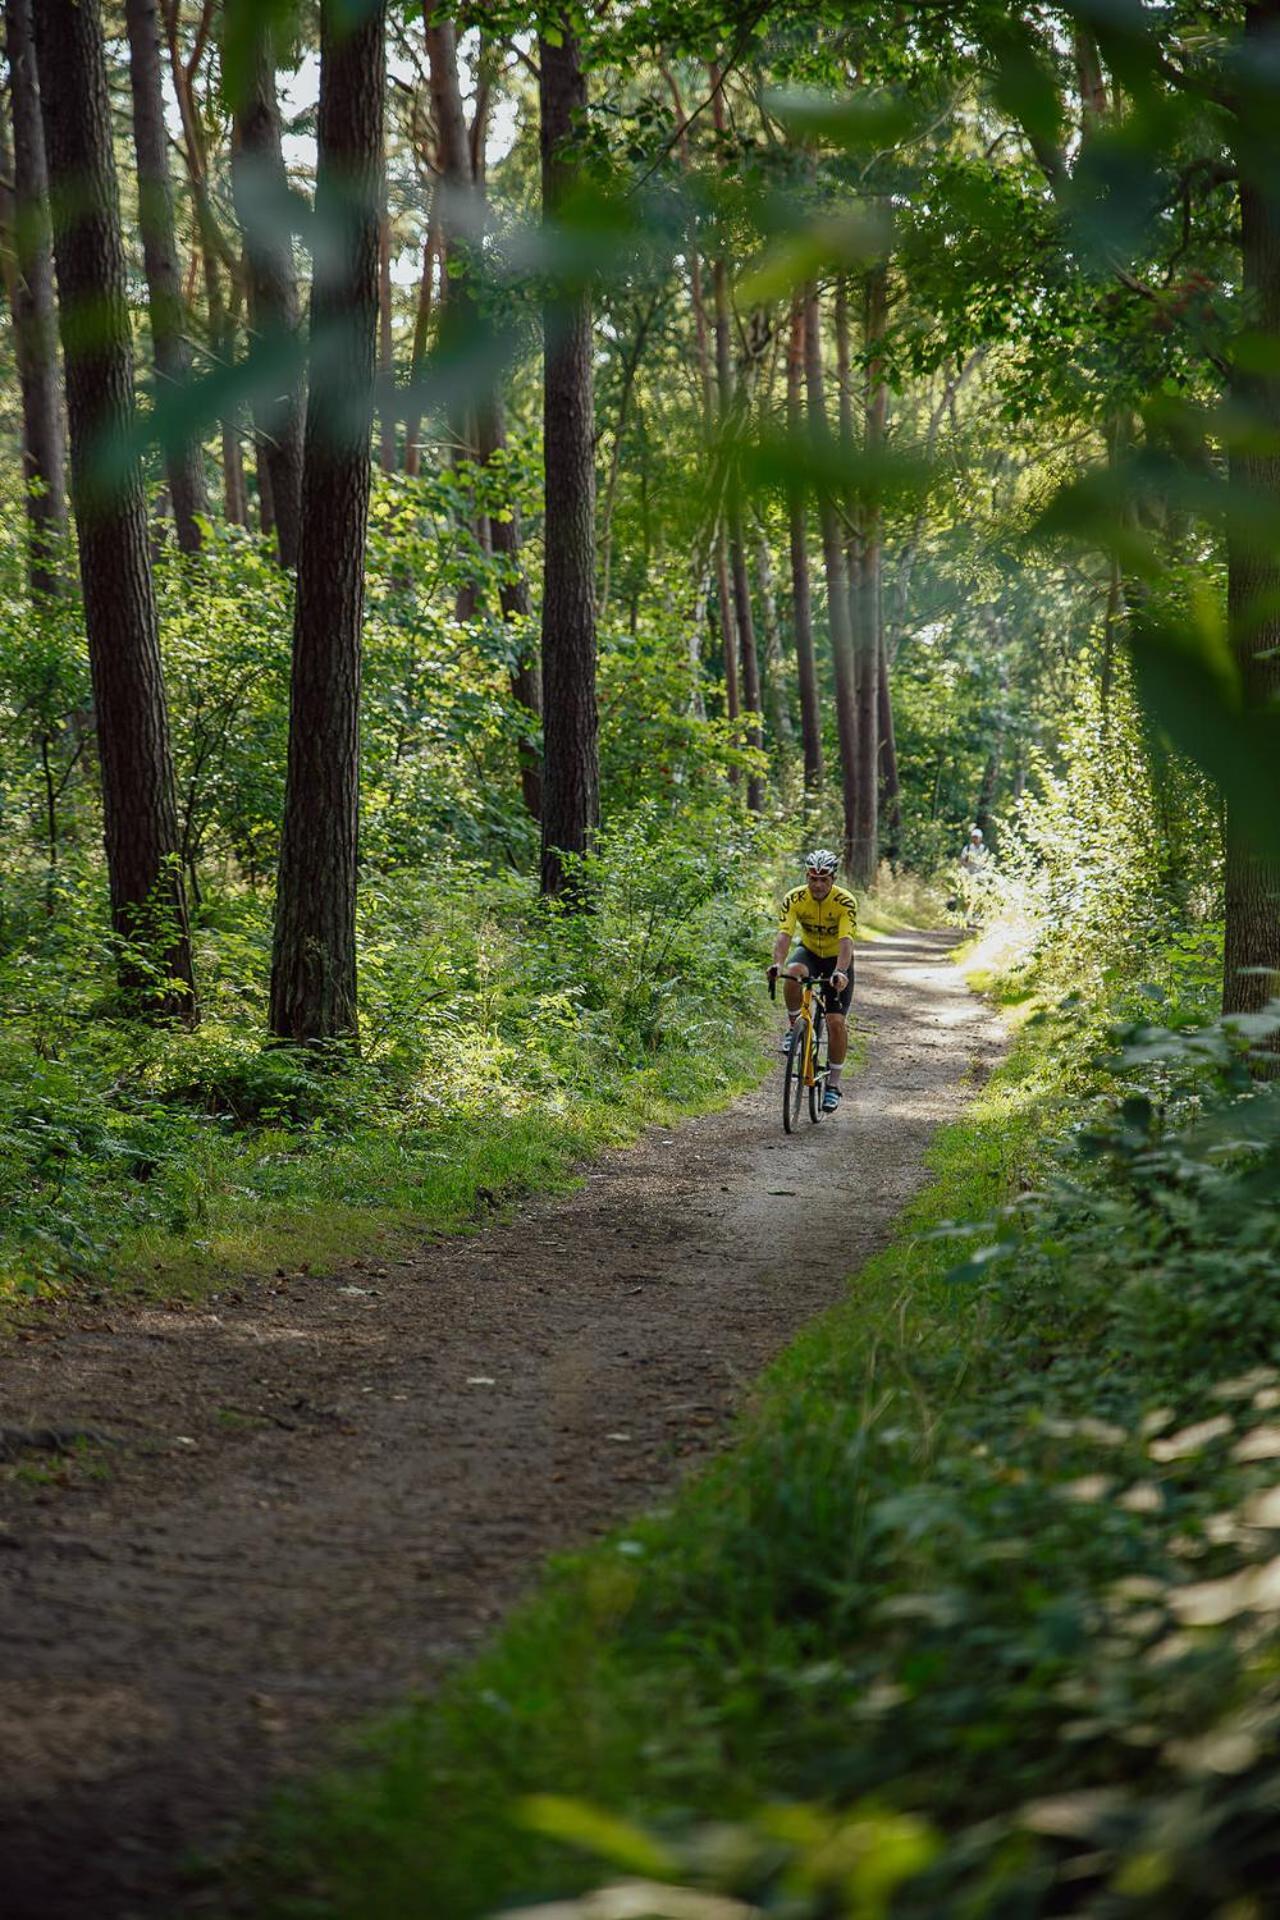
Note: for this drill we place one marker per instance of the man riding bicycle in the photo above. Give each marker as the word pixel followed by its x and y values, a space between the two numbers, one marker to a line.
pixel 821 918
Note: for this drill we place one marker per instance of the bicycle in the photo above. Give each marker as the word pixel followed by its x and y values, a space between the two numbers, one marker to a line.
pixel 806 1065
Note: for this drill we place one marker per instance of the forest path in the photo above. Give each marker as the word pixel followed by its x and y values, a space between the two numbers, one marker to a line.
pixel 326 1489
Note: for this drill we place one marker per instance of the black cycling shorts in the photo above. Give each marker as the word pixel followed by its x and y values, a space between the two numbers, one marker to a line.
pixel 820 969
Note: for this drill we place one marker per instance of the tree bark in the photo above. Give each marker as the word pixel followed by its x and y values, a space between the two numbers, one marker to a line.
pixel 837 586
pixel 890 790
pixel 139 810
pixel 260 183
pixel 455 201
pixel 213 253
pixel 571 776
pixel 747 645
pixel 313 974
pixel 513 596
pixel 386 348
pixel 35 320
pixel 184 465
pixel 421 336
pixel 1251 965
pixel 868 610
pixel 775 690
pixel 801 595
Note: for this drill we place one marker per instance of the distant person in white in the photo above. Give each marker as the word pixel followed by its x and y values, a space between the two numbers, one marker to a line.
pixel 974 853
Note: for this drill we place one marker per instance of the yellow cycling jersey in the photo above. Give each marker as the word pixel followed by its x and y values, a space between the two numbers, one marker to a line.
pixel 821 924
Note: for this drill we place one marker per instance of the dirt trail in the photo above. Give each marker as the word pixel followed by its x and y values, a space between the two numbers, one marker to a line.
pixel 325 1490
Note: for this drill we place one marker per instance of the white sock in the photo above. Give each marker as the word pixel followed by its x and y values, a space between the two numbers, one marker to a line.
pixel 833 1075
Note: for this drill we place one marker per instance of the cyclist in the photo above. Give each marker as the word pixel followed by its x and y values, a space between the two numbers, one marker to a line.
pixel 820 917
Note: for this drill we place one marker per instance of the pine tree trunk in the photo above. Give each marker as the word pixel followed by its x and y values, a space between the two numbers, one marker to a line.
pixel 260 183
pixel 1251 967
pixel 221 324
pixel 421 336
pixel 571 776
pixel 869 630
pixel 140 814
pixel 386 349
pixel 313 975
pixel 456 201
pixel 775 689
pixel 837 586
pixel 184 465
pixel 513 595
pixel 890 791
pixel 35 319
pixel 747 643
pixel 728 631
pixel 801 596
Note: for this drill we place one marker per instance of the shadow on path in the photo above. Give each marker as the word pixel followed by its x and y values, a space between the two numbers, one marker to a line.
pixel 328 1489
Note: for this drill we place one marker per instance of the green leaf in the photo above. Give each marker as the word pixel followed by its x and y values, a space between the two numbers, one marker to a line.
pixel 596 1832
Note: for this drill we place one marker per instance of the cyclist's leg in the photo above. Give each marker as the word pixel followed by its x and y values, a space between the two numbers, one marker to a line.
pixel 797 969
pixel 837 1038
pixel 800 964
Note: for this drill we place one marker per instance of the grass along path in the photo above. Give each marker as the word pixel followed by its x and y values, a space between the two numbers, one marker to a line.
pixel 324 1491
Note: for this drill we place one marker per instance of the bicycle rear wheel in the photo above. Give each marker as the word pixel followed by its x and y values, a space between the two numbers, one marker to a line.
pixel 793 1077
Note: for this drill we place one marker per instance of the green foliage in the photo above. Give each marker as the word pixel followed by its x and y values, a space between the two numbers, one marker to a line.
pixel 978 1618
pixel 476 998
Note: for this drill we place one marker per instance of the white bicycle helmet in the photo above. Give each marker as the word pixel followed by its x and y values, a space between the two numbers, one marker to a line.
pixel 821 860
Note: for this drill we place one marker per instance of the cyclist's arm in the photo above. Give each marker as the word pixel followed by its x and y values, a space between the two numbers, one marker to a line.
pixel 786 930
pixel 844 957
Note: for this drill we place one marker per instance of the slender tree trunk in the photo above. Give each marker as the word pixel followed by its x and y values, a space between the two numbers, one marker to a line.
pixel 868 608
pixel 456 202
pixel 386 348
pixel 801 596
pixel 35 320
pixel 260 183
pixel 775 690
pixel 890 791
pixel 421 337
pixel 184 464
pixel 139 809
pixel 313 974
pixel 1251 966
pixel 513 594
pixel 728 631
pixel 221 328
pixel 571 777
pixel 837 587
pixel 747 643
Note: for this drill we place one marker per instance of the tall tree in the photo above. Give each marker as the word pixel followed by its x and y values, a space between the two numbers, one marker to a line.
pixel 459 205
pixel 215 255
pixel 184 464
pixel 260 183
pixel 140 814
pixel 737 557
pixel 837 584
pixel 712 386
pixel 801 596
pixel 868 633
pixel 35 320
pixel 1251 966
pixel 571 772
pixel 313 974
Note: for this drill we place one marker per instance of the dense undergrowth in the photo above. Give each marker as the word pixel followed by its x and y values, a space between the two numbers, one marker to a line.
pixel 500 1038
pixel 978 1616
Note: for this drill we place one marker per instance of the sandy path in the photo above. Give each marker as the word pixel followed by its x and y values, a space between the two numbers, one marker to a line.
pixel 326 1489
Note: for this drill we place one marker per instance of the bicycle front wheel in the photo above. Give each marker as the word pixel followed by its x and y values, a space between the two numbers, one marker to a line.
pixel 793 1077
